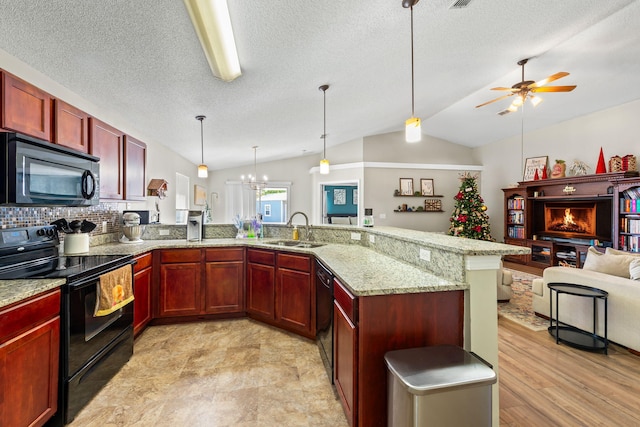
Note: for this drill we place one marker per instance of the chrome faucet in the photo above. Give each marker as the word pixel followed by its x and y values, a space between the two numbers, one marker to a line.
pixel 306 225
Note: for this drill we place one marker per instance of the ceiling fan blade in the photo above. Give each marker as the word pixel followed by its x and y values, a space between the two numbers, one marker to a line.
pixel 494 100
pixel 553 89
pixel 549 79
pixel 505 88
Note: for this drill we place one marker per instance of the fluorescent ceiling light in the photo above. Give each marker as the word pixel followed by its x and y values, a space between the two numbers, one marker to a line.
pixel 213 25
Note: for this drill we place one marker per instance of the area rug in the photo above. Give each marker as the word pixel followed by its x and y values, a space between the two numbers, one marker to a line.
pixel 519 308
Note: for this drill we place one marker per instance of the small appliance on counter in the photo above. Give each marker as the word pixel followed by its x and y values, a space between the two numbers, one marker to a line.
pixel 367 221
pixel 194 226
pixel 76 240
pixel 146 217
pixel 131 229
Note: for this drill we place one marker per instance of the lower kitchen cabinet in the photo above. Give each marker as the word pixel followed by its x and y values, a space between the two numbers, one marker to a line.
pixel 224 280
pixel 29 355
pixel 295 307
pixel 261 284
pixel 179 290
pixel 142 273
pixel 345 347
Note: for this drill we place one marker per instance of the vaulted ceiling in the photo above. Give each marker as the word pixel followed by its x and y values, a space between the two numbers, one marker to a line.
pixel 142 60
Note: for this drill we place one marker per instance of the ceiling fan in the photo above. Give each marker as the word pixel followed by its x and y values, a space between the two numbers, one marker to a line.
pixel 526 89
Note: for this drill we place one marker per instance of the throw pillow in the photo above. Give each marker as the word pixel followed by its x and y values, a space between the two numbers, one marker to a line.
pixel 611 251
pixel 615 265
pixel 634 269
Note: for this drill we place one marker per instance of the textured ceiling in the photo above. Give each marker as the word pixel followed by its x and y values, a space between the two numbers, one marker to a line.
pixel 142 60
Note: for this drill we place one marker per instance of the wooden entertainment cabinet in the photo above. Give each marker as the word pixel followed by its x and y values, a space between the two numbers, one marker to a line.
pixel 613 198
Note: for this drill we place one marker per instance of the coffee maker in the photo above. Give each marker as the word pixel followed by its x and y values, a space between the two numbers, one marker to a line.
pixel 194 226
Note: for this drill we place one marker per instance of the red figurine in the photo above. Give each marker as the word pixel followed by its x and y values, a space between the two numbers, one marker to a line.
pixel 601 168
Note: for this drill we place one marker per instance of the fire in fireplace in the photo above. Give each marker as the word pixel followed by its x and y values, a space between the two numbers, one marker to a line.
pixel 573 218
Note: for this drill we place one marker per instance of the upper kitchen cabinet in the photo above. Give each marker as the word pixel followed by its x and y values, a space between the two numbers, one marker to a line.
pixel 107 143
pixel 70 126
pixel 135 160
pixel 24 108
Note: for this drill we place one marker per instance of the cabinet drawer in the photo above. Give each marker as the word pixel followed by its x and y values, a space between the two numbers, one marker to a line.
pixel 143 261
pixel 224 254
pixel 345 300
pixel 294 262
pixel 22 316
pixel 180 255
pixel 261 257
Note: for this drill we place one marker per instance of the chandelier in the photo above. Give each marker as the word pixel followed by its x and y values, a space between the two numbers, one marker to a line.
pixel 251 180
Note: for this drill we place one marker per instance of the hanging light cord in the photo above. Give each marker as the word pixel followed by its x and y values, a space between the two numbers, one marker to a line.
pixel 324 125
pixel 201 141
pixel 412 83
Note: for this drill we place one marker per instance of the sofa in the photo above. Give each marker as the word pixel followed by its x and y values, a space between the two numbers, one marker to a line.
pixel 602 271
pixel 505 280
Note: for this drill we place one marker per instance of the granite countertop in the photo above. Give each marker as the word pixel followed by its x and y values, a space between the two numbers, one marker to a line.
pixel 362 270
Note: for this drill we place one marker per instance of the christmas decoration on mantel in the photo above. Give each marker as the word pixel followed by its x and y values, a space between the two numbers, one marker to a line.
pixel 469 218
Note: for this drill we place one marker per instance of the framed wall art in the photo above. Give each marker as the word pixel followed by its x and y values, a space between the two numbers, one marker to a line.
pixel 199 195
pixel 533 164
pixel 339 196
pixel 406 186
pixel 426 187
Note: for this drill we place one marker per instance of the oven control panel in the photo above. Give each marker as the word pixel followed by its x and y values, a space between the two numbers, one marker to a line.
pixel 11 237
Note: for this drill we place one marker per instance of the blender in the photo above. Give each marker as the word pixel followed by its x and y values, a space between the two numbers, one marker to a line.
pixel 132 229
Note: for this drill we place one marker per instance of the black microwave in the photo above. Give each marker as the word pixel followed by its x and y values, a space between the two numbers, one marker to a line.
pixel 40 173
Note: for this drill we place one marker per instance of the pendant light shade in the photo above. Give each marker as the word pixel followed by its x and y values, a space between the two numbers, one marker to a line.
pixel 203 171
pixel 324 163
pixel 413 131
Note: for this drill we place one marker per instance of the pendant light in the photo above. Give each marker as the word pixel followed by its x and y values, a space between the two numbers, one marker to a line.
pixel 251 180
pixel 324 163
pixel 413 131
pixel 203 171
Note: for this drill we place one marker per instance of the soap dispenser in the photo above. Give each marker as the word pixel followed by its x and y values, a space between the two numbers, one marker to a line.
pixel 367 221
pixel 295 235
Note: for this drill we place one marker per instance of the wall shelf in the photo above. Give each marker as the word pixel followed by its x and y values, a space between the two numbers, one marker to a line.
pixel 424 197
pixel 418 211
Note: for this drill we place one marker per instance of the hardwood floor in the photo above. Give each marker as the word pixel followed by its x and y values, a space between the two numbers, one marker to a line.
pixel 545 384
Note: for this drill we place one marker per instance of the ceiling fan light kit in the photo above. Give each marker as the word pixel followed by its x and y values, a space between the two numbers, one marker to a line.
pixel 324 163
pixel 525 89
pixel 412 126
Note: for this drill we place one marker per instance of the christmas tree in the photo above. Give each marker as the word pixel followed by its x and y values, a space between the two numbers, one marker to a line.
pixel 469 217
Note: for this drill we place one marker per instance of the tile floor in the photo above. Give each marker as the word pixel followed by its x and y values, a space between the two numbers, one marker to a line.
pixel 218 373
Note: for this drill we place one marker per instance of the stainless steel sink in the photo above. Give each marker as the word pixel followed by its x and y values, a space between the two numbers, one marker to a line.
pixel 295 244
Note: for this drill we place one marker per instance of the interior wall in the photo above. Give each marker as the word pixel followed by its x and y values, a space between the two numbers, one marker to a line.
pixel 616 130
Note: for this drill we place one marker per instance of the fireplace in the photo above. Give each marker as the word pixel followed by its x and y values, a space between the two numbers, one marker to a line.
pixel 580 220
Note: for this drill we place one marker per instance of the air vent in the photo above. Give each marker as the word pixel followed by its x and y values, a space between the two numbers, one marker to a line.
pixel 503 112
pixel 459 4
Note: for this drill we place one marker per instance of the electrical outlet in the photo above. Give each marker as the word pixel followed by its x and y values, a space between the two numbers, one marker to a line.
pixel 104 227
pixel 163 232
pixel 356 236
pixel 372 238
pixel 383 216
pixel 425 254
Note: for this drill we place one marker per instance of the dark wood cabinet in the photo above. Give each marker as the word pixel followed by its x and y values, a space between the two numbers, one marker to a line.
pixel 224 280
pixel 179 292
pixel 25 108
pixel 142 313
pixel 70 126
pixel 107 143
pixel 295 293
pixel 29 355
pixel 261 284
pixel 135 160
pixel 345 351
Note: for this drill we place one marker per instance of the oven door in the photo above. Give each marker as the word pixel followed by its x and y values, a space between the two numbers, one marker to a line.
pixel 87 334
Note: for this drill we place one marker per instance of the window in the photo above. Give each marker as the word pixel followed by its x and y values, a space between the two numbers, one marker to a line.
pixel 267 209
pixel 272 202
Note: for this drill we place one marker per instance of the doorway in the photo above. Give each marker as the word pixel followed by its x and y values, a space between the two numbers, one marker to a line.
pixel 340 203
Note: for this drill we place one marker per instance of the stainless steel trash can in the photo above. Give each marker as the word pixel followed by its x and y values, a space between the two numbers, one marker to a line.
pixel 443 386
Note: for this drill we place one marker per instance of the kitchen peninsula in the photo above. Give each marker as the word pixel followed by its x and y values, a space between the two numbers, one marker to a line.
pixel 410 288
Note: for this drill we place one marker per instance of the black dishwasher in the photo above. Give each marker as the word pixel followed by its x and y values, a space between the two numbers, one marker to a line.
pixel 324 316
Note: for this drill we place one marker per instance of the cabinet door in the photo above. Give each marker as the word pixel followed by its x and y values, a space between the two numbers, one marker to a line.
pixel 107 143
pixel 70 126
pixel 261 290
pixel 180 289
pixel 25 108
pixel 29 375
pixel 224 287
pixel 142 302
pixel 345 351
pixel 293 292
pixel 135 160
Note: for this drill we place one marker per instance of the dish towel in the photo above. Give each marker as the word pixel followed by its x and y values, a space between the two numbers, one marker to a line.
pixel 115 291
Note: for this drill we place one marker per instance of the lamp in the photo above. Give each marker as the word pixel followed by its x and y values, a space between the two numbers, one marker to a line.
pixel 212 23
pixel 203 172
pixel 324 163
pixel 413 131
pixel 251 181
